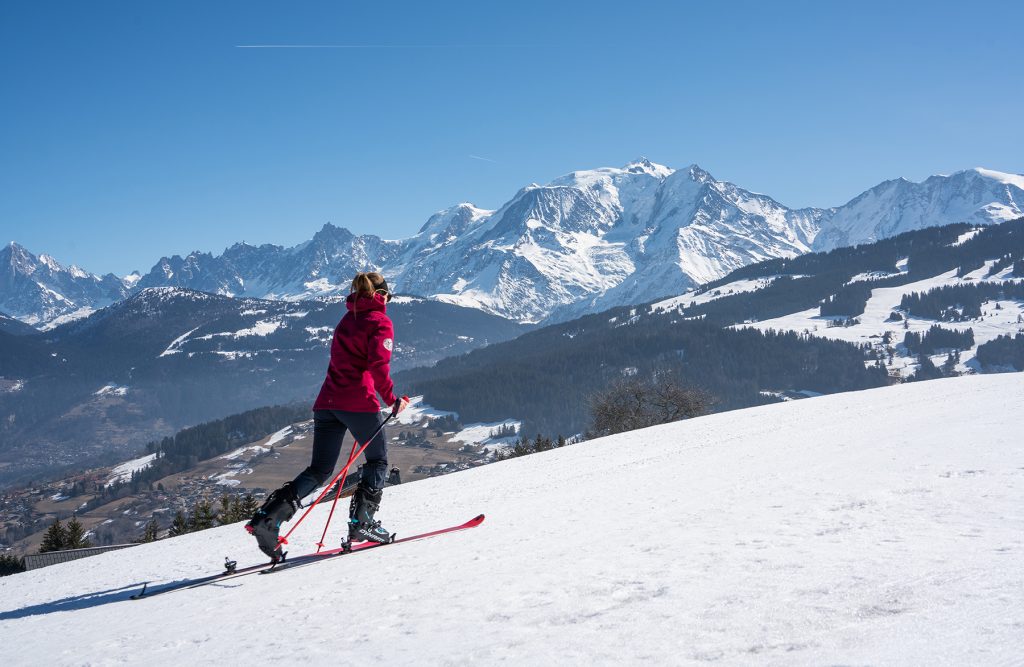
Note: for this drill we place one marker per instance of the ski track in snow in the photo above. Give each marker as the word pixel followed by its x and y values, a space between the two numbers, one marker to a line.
pixel 877 527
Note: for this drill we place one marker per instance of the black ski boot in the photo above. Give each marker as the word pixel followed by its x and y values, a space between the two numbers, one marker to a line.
pixel 361 526
pixel 265 524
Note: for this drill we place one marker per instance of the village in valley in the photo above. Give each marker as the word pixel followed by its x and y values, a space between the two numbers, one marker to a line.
pixel 115 507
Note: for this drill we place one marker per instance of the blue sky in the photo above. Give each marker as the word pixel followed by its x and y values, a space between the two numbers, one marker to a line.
pixel 131 130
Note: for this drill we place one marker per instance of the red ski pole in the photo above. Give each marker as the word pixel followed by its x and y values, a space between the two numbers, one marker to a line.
pixel 343 471
pixel 341 485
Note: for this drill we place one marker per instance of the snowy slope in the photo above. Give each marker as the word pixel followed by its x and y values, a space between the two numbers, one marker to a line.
pixel 880 527
pixel 874 322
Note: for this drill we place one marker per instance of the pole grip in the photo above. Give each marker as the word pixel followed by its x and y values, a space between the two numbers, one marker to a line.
pixel 394 410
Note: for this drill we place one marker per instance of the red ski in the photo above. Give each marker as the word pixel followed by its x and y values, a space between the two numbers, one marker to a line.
pixel 307 559
pixel 363 546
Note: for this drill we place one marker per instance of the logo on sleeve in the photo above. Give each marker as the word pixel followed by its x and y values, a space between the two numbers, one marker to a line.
pixel 388 344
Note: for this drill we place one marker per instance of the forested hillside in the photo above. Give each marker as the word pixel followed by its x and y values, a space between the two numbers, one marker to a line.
pixel 546 377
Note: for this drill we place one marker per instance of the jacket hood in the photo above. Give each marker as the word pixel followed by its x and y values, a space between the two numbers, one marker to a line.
pixel 360 304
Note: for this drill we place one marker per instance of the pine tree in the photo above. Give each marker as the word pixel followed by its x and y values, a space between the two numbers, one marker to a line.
pixel 541 444
pixel 55 538
pixel 203 516
pixel 225 514
pixel 249 506
pixel 151 532
pixel 10 564
pixel 75 538
pixel 179 526
pixel 232 510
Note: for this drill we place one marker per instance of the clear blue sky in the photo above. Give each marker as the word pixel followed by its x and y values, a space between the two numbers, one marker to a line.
pixel 131 130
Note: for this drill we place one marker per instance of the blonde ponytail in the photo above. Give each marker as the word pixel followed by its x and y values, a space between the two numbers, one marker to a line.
pixel 363 283
pixel 370 283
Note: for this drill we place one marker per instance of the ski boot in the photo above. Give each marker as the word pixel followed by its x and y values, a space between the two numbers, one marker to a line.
pixel 361 525
pixel 265 524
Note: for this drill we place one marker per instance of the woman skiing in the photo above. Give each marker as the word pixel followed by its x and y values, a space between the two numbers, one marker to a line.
pixel 359 370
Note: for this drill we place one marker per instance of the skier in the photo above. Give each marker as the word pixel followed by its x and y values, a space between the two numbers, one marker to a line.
pixel 359 370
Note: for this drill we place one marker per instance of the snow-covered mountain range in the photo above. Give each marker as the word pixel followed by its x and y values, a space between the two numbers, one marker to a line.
pixel 585 242
pixel 40 291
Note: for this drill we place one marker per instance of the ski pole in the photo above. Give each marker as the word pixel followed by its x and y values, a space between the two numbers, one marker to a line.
pixel 344 470
pixel 341 485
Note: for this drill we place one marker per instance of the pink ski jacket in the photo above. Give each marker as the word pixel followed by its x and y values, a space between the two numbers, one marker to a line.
pixel 360 365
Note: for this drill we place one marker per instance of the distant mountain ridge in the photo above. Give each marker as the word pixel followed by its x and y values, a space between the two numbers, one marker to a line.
pixel 38 290
pixel 587 241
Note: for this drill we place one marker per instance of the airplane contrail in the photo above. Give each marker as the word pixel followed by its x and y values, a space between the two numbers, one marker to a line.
pixel 383 46
pixel 485 159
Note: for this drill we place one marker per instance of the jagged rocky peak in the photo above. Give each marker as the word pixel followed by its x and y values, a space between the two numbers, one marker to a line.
pixel 333 233
pixel 17 257
pixel 699 174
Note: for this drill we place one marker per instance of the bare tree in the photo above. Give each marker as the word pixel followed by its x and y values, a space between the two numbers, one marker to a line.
pixel 634 403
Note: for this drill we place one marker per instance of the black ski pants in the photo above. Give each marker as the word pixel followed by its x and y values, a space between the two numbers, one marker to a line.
pixel 329 428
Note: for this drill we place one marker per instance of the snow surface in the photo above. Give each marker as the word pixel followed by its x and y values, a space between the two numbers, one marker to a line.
pixel 272 440
pixel 735 287
pixel 418 411
pixel 1016 180
pixel 480 434
pixel 78 314
pixel 123 472
pixel 250 450
pixel 966 236
pixel 278 436
pixel 878 527
pixel 176 343
pixel 111 390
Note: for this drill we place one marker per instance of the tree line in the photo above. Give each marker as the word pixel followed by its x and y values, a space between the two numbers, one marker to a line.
pixel 937 338
pixel 959 303
pixel 205 515
pixel 1002 351
pixel 197 443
